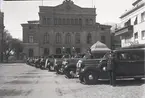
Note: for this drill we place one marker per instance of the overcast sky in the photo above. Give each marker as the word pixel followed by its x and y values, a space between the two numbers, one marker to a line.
pixel 18 12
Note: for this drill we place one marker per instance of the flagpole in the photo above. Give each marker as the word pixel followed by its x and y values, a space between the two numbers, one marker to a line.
pixel 42 2
pixel 1 2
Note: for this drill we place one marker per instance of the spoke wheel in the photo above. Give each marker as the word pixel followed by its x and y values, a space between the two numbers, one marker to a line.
pixel 90 77
pixel 70 72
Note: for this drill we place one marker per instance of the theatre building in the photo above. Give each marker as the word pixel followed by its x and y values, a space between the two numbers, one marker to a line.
pixel 66 27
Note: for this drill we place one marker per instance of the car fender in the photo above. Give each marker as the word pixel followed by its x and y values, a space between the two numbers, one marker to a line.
pixel 89 68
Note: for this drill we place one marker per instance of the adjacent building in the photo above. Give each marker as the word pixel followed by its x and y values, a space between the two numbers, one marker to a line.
pixel 1 32
pixel 63 28
pixel 132 29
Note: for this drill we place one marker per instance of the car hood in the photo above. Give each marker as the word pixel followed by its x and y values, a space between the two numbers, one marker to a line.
pixel 91 61
pixel 73 60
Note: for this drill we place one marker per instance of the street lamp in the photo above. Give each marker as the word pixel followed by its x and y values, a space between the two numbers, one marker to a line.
pixel 74 51
pixel 63 50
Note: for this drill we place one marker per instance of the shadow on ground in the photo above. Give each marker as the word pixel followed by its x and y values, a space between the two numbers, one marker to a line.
pixel 124 82
pixel 14 92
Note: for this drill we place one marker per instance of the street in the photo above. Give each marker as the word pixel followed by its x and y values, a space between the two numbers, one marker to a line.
pixel 19 80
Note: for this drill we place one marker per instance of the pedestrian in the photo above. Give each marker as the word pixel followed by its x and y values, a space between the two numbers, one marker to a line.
pixel 111 68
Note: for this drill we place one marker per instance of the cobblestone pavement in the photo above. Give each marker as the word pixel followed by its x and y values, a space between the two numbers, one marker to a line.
pixel 23 81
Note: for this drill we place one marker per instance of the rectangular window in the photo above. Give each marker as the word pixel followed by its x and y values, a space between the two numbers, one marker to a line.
pixel 135 22
pixel 55 21
pixel 143 17
pixel 31 39
pixel 136 35
pixel 44 20
pixel 143 34
pixel 103 39
pixel 46 51
pixel 48 21
pixel 78 50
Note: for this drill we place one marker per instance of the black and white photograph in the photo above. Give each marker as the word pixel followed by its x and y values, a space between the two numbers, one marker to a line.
pixel 72 48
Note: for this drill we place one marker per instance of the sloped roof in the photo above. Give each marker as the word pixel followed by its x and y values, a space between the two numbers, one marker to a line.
pixel 99 47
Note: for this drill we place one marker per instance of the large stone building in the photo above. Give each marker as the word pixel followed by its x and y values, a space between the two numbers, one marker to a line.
pixel 132 29
pixel 1 32
pixel 66 27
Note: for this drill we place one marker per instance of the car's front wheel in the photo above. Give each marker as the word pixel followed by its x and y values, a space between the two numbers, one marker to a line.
pixel 90 77
pixel 70 73
pixel 50 67
pixel 58 69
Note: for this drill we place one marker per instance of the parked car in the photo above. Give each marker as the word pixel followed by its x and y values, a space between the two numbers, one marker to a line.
pixel 58 63
pixel 69 66
pixel 129 63
pixel 52 60
pixel 42 63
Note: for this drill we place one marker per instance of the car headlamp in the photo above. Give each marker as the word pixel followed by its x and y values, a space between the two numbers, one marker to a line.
pixel 65 62
pixel 79 63
pixel 82 70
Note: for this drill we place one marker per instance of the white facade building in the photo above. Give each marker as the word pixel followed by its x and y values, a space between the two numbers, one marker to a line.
pixel 132 25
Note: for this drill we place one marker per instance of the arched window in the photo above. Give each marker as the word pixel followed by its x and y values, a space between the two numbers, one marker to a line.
pixel 44 20
pixel 89 38
pixel 58 50
pixel 76 21
pixel 55 21
pixel 78 50
pixel 91 21
pixel 31 52
pixel 72 21
pixel 87 21
pixel 46 51
pixel 59 21
pixel 68 38
pixel 80 21
pixel 68 21
pixel 58 38
pixel 77 38
pixel 64 21
pixel 46 38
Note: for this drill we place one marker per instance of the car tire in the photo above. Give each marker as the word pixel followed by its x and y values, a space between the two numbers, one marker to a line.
pixel 81 79
pixel 57 69
pixel 90 77
pixel 68 73
pixel 50 68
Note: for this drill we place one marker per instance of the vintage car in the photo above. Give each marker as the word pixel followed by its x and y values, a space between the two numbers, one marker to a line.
pixel 58 63
pixel 70 66
pixel 129 63
pixel 51 61
pixel 42 63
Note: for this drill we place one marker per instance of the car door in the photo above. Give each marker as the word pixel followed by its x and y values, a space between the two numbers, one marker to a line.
pixel 123 63
pixel 137 64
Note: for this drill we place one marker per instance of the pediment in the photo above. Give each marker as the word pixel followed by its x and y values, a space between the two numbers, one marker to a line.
pixel 69 6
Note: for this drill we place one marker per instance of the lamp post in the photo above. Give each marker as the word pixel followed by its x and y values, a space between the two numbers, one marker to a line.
pixel 74 51
pixel 63 50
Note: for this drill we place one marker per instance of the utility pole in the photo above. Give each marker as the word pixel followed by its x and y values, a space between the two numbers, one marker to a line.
pixel 42 2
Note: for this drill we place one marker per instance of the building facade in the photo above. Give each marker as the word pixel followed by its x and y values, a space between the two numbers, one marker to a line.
pixel 132 29
pixel 63 28
pixel 1 32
